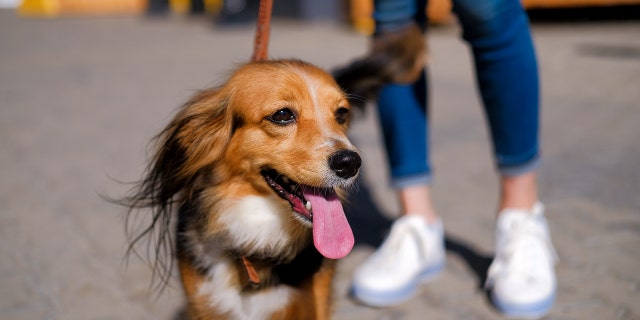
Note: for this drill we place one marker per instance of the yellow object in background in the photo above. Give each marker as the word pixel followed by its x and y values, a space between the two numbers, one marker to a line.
pixel 213 6
pixel 361 12
pixel 52 8
pixel 183 6
pixel 43 8
pixel 180 6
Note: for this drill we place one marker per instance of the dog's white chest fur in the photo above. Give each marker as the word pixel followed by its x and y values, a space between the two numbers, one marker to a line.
pixel 258 223
pixel 224 297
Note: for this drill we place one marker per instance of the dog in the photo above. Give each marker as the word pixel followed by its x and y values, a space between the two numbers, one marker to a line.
pixel 255 171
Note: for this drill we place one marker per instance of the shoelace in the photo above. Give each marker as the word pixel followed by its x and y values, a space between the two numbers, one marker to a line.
pixel 522 246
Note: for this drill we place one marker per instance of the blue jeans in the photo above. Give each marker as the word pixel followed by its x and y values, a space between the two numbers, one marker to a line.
pixel 507 76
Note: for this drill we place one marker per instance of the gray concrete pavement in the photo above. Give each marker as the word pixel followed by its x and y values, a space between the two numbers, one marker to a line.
pixel 80 98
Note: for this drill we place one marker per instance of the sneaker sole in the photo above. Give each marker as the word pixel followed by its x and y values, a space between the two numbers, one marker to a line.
pixel 531 310
pixel 398 295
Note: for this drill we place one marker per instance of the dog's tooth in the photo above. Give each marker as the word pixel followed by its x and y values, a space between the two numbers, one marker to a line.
pixel 308 205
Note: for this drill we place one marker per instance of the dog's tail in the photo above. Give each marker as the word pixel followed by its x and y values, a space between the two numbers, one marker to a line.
pixel 395 57
pixel 363 78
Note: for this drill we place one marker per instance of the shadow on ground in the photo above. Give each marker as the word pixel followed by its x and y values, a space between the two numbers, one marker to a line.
pixel 370 226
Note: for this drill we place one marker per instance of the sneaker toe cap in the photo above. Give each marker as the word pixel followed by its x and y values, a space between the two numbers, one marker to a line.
pixel 380 281
pixel 524 292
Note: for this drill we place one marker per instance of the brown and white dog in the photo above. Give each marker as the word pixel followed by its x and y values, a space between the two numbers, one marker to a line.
pixel 253 169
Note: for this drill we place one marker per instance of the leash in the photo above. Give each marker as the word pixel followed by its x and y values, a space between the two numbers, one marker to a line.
pixel 260 46
pixel 261 42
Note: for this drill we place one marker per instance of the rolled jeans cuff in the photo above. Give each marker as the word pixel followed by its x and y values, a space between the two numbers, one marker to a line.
pixel 512 170
pixel 411 180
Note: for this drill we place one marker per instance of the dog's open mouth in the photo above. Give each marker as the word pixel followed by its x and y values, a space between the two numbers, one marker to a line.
pixel 290 191
pixel 321 208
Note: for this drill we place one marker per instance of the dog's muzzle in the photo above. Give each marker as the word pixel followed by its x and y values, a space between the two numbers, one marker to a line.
pixel 345 163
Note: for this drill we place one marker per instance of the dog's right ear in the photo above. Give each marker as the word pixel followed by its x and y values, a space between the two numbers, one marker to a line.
pixel 195 139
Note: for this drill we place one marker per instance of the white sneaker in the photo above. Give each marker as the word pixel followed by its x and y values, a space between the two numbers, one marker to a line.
pixel 522 277
pixel 413 252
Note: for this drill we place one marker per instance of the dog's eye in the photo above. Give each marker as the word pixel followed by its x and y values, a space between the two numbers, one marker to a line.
pixel 342 115
pixel 282 116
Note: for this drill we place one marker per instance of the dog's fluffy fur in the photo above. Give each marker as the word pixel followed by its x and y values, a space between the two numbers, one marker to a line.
pixel 232 166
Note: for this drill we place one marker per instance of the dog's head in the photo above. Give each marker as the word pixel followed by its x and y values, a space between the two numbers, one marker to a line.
pixel 260 160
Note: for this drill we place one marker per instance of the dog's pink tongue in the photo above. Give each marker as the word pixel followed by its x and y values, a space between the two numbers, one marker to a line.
pixel 332 234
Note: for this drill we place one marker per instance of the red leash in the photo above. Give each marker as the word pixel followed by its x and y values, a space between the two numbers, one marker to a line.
pixel 260 46
pixel 261 43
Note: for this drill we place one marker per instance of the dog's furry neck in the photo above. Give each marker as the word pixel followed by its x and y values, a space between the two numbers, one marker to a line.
pixel 272 270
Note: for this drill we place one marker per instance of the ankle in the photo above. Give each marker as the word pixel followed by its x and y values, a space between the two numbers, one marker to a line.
pixel 518 192
pixel 416 200
pixel 430 218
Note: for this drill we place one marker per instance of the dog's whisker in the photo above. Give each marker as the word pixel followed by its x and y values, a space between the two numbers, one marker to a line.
pixel 357 98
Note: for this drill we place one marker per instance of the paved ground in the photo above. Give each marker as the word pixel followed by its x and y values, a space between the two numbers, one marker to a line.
pixel 80 98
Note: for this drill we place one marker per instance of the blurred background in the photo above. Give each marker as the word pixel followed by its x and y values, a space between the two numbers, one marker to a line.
pixel 85 84
pixel 355 12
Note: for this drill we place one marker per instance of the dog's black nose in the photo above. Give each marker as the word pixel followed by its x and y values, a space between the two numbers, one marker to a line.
pixel 345 163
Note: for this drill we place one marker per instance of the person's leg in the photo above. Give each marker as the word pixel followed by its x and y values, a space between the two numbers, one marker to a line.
pixel 416 199
pixel 403 117
pixel 518 191
pixel 521 277
pixel 413 251
pixel 507 76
